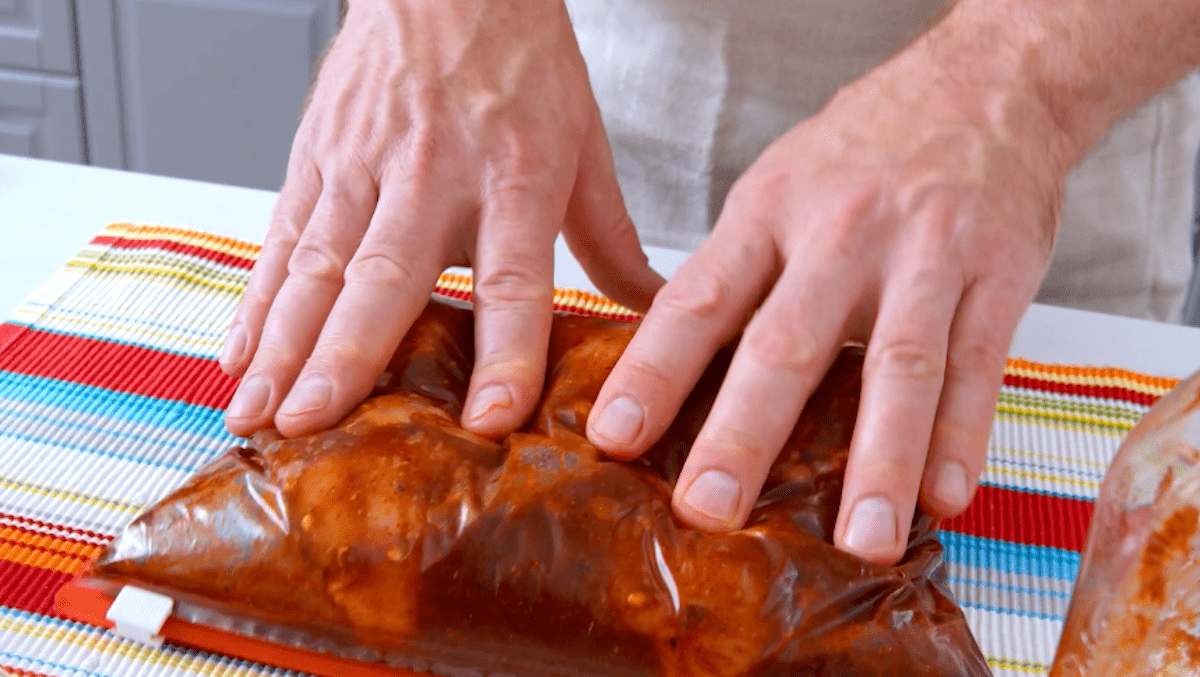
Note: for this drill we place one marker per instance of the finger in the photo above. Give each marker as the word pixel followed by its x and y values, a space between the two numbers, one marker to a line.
pixel 600 234
pixel 982 331
pixel 514 301
pixel 387 284
pixel 902 383
pixel 314 279
pixel 292 211
pixel 702 307
pixel 783 354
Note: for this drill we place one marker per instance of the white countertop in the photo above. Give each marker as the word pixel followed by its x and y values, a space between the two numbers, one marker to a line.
pixel 48 210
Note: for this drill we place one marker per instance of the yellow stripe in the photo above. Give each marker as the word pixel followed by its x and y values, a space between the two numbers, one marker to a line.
pixel 95 641
pixel 1060 416
pixel 1133 412
pixel 73 496
pixel 1092 484
pixel 1093 430
pixel 998 663
pixel 196 283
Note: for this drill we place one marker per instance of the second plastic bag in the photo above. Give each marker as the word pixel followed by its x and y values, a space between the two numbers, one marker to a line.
pixel 1135 610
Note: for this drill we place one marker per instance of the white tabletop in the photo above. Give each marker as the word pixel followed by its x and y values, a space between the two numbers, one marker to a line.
pixel 49 209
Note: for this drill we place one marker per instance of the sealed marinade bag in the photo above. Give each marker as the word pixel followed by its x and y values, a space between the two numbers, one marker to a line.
pixel 1135 611
pixel 399 538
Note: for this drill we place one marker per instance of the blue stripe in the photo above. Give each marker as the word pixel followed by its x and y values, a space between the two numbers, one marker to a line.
pixel 1011 612
pixel 1010 588
pixel 7 413
pixel 15 658
pixel 87 449
pixel 140 409
pixel 1016 558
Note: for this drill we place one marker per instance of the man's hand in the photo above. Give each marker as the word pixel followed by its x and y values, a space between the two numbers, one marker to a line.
pixel 917 213
pixel 439 133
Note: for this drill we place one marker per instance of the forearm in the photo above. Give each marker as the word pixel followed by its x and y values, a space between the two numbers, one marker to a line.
pixel 1088 62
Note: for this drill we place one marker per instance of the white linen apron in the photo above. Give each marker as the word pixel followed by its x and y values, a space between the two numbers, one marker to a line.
pixel 691 92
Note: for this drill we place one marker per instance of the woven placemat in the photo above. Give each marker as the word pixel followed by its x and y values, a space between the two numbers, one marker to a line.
pixel 110 397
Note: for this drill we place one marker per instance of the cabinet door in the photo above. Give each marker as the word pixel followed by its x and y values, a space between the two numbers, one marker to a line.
pixel 39 117
pixel 212 89
pixel 36 34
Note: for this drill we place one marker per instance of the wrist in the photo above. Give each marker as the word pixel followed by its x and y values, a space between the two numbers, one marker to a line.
pixel 992 69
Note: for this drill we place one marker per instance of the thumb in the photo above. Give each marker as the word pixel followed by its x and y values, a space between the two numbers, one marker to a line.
pixel 600 233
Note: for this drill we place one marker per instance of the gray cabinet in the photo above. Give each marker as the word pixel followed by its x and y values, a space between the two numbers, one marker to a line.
pixel 200 89
pixel 36 35
pixel 40 116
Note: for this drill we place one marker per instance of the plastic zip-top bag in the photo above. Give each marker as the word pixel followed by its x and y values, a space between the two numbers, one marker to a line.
pixel 1135 610
pixel 397 541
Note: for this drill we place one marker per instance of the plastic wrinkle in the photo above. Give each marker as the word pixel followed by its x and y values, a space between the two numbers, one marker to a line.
pixel 399 538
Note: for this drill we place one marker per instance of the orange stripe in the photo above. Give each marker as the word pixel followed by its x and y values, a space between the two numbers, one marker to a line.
pixel 42 559
pixel 1100 375
pixel 206 240
pixel 67 545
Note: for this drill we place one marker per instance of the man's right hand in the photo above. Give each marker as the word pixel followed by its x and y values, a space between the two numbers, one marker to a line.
pixel 439 133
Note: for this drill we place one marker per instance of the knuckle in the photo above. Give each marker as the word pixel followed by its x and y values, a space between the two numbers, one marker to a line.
pixel 275 356
pixel 352 183
pixel 784 346
pixel 513 285
pixel 736 448
pixel 523 155
pixel 316 262
pixel 977 356
pixel 904 359
pixel 647 376
pixel 699 294
pixel 381 269
pixel 338 357
pixel 422 151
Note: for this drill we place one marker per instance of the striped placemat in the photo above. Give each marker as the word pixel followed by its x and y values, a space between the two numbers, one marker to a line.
pixel 110 397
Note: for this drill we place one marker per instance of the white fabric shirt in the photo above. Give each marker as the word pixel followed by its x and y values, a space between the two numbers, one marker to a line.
pixel 692 91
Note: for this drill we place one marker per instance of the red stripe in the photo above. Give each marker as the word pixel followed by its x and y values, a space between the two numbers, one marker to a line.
pixel 1025 517
pixel 178 247
pixel 29 588
pixel 23 673
pixel 1106 392
pixel 115 366
pixel 8 333
pixel 58 527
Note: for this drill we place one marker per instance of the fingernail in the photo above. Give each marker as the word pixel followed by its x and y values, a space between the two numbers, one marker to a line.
pixel 250 399
pixel 310 394
pixel 950 484
pixel 235 345
pixel 490 397
pixel 714 493
pixel 620 421
pixel 872 527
